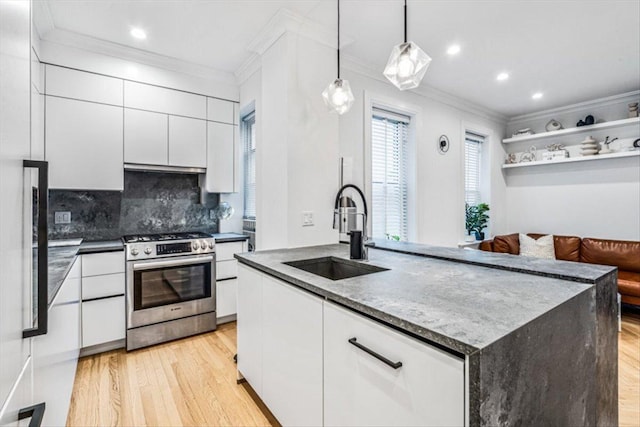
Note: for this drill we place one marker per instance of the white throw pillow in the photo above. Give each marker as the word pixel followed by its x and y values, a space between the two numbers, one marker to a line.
pixel 541 248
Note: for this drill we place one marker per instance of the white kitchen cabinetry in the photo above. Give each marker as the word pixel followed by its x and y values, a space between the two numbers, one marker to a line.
pixel 280 346
pixel 250 326
pixel 69 83
pixel 146 137
pixel 219 110
pixel 227 280
pixel 153 98
pixel 291 353
pixel 84 145
pixel 103 302
pixel 221 158
pixel 187 142
pixel 359 389
pixel 56 353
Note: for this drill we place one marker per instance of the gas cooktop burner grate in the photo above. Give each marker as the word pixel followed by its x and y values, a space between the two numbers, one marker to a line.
pixel 137 238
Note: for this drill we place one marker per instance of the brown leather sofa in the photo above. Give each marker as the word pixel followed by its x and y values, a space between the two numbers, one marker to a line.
pixel 619 253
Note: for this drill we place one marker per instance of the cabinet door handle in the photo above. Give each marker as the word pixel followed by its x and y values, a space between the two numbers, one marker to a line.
pixel 43 243
pixel 36 412
pixel 394 365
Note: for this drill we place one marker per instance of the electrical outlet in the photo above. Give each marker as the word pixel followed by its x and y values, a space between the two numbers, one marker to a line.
pixel 307 219
pixel 62 218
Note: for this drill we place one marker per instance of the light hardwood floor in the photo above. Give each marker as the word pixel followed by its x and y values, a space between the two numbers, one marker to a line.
pixel 193 382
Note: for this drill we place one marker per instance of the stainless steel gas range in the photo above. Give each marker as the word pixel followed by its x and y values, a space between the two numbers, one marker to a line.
pixel 171 287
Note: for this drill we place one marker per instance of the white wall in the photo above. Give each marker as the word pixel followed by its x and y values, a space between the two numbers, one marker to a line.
pixel 439 186
pixel 588 199
pixel 297 143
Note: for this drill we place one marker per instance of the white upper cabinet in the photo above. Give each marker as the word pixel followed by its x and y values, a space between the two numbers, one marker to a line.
pixel 146 137
pixel 76 84
pixel 84 145
pixel 219 110
pixel 220 158
pixel 187 142
pixel 154 98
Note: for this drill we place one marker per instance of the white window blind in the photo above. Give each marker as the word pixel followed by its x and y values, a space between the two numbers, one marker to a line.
pixel 472 164
pixel 389 133
pixel 249 136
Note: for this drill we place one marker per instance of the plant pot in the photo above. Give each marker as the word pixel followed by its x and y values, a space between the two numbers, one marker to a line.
pixel 479 235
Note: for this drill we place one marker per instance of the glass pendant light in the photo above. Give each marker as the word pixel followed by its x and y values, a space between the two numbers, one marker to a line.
pixel 407 63
pixel 338 96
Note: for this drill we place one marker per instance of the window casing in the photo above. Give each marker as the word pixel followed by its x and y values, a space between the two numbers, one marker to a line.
pixel 249 142
pixel 389 186
pixel 473 168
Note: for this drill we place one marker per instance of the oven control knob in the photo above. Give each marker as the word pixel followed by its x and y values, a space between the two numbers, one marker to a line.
pixel 211 245
pixel 203 245
pixel 134 251
pixel 195 246
pixel 147 250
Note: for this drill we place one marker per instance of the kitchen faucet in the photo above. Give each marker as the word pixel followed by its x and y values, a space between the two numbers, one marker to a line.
pixel 344 208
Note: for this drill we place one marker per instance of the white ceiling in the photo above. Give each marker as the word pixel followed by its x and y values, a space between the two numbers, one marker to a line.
pixel 571 51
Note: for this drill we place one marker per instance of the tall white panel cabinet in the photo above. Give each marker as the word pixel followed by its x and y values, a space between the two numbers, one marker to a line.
pixel 84 145
pixel 221 158
pixel 15 242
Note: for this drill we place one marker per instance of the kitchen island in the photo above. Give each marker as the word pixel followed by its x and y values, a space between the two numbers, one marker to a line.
pixel 531 342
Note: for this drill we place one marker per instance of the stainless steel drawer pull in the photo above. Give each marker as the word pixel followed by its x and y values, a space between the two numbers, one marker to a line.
pixel 36 412
pixel 394 365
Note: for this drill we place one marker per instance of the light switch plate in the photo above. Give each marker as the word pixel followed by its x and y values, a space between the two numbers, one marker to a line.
pixel 63 217
pixel 307 219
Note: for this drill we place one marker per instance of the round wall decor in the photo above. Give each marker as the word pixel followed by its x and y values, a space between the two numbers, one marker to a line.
pixel 443 144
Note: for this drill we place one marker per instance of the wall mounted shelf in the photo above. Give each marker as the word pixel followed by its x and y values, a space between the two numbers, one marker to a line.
pixel 622 154
pixel 573 131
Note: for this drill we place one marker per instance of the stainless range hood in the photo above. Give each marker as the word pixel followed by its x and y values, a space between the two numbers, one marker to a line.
pixel 162 168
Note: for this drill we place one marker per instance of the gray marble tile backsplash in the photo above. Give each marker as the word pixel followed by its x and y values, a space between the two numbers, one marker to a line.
pixel 150 203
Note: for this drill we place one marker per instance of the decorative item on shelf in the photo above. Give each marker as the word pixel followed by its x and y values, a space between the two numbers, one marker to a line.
pixel 476 219
pixel 633 110
pixel 338 96
pixel 510 159
pixel 553 125
pixel 555 152
pixel 522 132
pixel 443 144
pixel 529 156
pixel 605 146
pixel 589 147
pixel 588 121
pixel 407 63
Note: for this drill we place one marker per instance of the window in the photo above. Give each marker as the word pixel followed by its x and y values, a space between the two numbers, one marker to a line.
pixel 472 165
pixel 249 137
pixel 389 135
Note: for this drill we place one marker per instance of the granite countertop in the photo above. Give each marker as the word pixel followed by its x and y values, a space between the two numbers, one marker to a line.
pixel 61 259
pixel 229 237
pixel 462 306
pixel 91 247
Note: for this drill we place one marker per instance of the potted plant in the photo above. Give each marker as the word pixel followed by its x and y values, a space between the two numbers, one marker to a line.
pixel 476 219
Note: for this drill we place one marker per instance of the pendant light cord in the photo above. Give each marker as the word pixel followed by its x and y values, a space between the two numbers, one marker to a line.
pixel 338 38
pixel 405 21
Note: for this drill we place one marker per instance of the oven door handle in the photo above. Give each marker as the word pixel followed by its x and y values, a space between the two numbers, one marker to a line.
pixel 173 263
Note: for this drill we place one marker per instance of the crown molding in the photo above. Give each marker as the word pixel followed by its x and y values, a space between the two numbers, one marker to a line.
pixel 594 103
pixel 353 64
pixel 248 68
pixel 80 41
pixel 42 18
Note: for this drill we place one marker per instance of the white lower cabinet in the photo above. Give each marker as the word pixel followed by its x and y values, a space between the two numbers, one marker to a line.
pixel 226 298
pixel 359 389
pixel 291 353
pixel 249 326
pixel 298 353
pixel 56 353
pixel 226 279
pixel 103 321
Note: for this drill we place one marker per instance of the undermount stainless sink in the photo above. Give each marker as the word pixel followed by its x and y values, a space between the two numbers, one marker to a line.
pixel 335 268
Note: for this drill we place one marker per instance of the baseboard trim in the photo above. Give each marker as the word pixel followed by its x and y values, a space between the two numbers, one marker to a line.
pixel 101 348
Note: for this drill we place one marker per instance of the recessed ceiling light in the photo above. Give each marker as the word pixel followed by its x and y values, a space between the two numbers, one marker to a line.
pixel 536 95
pixel 453 49
pixel 502 76
pixel 138 33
